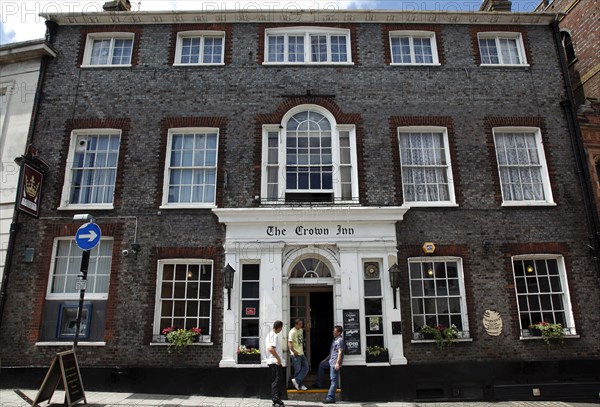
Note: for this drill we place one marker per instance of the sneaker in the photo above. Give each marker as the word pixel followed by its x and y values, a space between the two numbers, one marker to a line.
pixel 326 401
pixel 295 383
pixel 303 387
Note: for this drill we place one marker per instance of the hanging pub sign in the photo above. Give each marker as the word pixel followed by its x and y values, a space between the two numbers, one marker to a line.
pixel 31 190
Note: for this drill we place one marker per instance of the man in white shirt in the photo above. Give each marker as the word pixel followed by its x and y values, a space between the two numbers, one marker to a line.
pixel 273 347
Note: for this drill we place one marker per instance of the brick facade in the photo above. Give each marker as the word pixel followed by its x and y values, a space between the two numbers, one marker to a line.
pixel 150 97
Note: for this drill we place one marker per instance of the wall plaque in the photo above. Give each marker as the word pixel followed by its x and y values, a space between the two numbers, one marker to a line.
pixel 492 322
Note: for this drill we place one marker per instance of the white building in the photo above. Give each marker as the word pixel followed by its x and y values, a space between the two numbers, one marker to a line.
pixel 20 65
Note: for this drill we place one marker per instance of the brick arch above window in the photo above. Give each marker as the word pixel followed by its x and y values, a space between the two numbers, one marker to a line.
pixel 341 118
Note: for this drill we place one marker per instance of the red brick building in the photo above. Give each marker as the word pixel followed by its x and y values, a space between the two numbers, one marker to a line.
pixel 579 22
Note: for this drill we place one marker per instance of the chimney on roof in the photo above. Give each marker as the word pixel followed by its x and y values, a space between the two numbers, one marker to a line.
pixel 496 5
pixel 117 5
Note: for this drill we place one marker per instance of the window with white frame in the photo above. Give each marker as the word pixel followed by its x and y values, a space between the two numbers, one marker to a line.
pixel 184 295
pixel 522 166
pixel 191 167
pixel 542 292
pixel 501 48
pixel 59 321
pixel 309 158
pixel 373 298
pixel 200 48
pixel 108 49
pixel 426 168
pixel 307 45
pixel 413 48
pixel 437 294
pixel 250 296
pixel 66 266
pixel 91 169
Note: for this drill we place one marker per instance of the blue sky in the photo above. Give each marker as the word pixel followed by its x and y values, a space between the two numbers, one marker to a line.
pixel 20 21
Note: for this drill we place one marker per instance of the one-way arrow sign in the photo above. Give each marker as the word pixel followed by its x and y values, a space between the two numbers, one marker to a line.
pixel 88 236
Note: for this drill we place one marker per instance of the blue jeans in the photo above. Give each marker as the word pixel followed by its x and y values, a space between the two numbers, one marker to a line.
pixel 323 366
pixel 300 365
pixel 334 376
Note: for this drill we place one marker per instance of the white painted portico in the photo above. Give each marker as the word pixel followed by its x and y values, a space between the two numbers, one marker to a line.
pixel 277 237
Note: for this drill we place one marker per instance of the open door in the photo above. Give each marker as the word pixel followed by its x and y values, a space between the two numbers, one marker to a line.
pixel 315 306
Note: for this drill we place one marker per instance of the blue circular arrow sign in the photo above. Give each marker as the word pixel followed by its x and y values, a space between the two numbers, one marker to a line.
pixel 88 236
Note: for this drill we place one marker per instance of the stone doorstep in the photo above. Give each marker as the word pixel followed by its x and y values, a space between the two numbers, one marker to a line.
pixel 310 394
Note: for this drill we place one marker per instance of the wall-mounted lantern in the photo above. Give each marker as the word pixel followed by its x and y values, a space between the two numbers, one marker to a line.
pixel 228 273
pixel 395 280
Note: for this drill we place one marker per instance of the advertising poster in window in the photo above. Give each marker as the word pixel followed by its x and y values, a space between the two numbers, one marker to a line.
pixel 352 331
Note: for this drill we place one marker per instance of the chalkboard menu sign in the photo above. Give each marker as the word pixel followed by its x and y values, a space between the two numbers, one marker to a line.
pixel 352 331
pixel 63 367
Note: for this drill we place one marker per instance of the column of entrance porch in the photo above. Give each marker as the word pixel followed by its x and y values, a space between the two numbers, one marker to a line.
pixel 269 256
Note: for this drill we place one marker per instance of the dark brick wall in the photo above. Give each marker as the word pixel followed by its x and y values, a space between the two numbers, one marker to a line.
pixel 244 94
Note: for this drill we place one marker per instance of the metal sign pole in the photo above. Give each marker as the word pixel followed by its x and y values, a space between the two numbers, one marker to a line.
pixel 85 261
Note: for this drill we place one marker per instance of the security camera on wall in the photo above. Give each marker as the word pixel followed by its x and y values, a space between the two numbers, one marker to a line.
pixel 125 252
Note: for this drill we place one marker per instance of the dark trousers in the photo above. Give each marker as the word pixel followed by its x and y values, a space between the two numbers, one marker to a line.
pixel 277 373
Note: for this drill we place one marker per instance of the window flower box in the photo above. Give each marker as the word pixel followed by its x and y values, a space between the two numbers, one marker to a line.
pixel 248 358
pixel 377 354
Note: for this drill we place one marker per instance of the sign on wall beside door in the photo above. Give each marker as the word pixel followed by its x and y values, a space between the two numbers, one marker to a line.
pixel 352 331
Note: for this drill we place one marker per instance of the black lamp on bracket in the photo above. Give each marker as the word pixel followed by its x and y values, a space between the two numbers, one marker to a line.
pixel 395 280
pixel 228 273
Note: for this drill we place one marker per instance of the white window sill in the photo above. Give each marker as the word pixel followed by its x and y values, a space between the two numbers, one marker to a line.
pixel 86 207
pixel 71 297
pixel 376 364
pixel 433 340
pixel 199 65
pixel 528 203
pixel 430 205
pixel 309 63
pixel 506 65
pixel 79 343
pixel 539 338
pixel 209 343
pixel 107 66
pixel 176 206
pixel 415 64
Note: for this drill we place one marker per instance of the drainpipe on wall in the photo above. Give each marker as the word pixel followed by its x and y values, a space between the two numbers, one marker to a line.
pixel 583 173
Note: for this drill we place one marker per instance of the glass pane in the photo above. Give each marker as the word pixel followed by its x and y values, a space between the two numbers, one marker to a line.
pixel 373 306
pixel 250 290
pixel 372 288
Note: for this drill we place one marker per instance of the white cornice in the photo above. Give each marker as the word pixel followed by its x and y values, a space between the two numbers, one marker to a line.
pixel 295 16
pixel 23 51
pixel 388 214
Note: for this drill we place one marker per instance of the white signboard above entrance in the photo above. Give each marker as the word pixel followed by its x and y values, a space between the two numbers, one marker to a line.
pixel 302 230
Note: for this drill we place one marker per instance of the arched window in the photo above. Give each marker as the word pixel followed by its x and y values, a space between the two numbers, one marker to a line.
pixel 309 158
pixel 310 268
pixel 568 45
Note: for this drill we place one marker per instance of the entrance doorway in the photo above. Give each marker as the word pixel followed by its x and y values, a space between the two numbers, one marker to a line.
pixel 314 305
